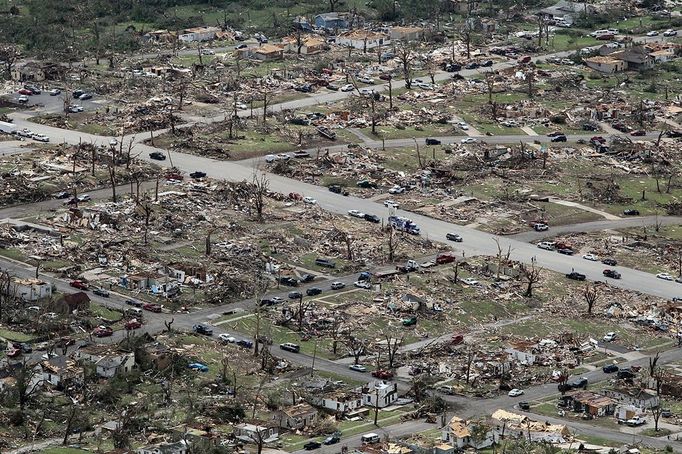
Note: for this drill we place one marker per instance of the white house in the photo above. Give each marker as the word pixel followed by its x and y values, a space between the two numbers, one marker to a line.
pixel 107 361
pixel 362 39
pixel 253 433
pixel 198 34
pixel 60 372
pixel 340 402
pixel 30 289
pixel 179 447
pixel 380 394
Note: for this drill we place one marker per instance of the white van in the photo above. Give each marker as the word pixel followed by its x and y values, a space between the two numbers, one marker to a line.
pixel 135 311
pixel 370 438
pixel 597 33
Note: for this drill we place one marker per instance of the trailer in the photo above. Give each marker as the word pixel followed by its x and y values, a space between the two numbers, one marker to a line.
pixel 8 128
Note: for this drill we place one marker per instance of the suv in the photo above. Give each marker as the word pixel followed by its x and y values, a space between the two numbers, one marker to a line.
pixel 157 155
pixel 610 368
pixel 430 141
pixel 612 274
pixel 295 295
pixel 101 292
pixel 202 329
pixel 325 263
pixel 576 276
pixel 288 346
pixel 453 237
pixel 372 218
pixel 151 307
pixel 579 383
pixel 312 291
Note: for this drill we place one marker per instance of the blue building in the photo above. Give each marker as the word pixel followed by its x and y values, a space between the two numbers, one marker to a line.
pixel 331 21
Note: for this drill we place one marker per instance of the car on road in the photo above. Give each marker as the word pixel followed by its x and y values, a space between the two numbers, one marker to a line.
pixel 555 134
pixel 469 281
pixel 295 295
pixel 546 245
pixel 55 92
pixel 609 261
pixel 40 138
pixel 453 237
pixel 610 336
pixel 102 331
pixel 290 347
pixel 372 218
pixel 609 369
pixel 157 155
pixel 579 383
pixel 227 338
pixel 382 374
pixel 362 284
pixel 468 140
pixel 561 138
pixel 198 174
pixel 591 257
pixel 25 92
pixel 652 33
pixel 312 291
pixel 631 212
pixel 84 198
pixel 638 133
pixel 358 368
pixel 23 99
pixel 391 204
pixel 332 87
pixel 670 32
pixel 331 440
pixel 133 324
pixel 134 303
pixel 365 80
pixel 75 108
pixel 202 329
pixel 80 285
pixel 366 91
pixel 515 392
pixel 312 445
pixel 396 190
pixel 85 96
pixel 576 276
pixel 430 141
pixel 151 307
pixel 356 213
pixel 664 276
pixel 99 291
pixel 348 87
pixel 198 367
pixel 62 195
pixel 566 251
pixel 307 277
pixel 309 200
pixel 244 343
pixel 613 274
pixel 337 285
pixel 207 52
pixel 523 405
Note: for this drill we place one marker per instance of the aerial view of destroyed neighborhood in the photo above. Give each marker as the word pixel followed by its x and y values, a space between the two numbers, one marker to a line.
pixel 340 226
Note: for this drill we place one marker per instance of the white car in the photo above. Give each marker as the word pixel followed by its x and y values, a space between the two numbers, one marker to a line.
pixel 23 99
pixel 113 142
pixel 348 87
pixel 84 198
pixel 664 276
pixel 55 92
pixel 546 245
pixel 356 213
pixel 515 392
pixel 609 337
pixel 391 204
pixel 337 285
pixel 358 368
pixel 670 32
pixel 652 33
pixel 366 91
pixel 207 52
pixel 468 140
pixel 241 105
pixel 227 338
pixel 464 127
pixel 428 264
pixel 75 108
pixel 396 190
pixel 41 138
pixel 470 281
pixel 270 158
pixel 591 257
pixel 309 200
pixel 362 284
pixel 365 80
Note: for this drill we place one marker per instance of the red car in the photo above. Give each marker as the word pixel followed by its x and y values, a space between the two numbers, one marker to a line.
pixel 79 285
pixel 382 374
pixel 26 92
pixel 151 307
pixel 444 258
pixel 597 139
pixel 103 331
pixel 606 37
pixel 133 324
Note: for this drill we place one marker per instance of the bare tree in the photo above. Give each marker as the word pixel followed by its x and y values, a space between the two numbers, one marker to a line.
pixel 356 347
pixel 392 346
pixel 531 275
pixel 146 208
pixel 260 187
pixel 405 57
pixel 591 295
pixel 9 55
pixel 392 242
pixel 502 256
pixel 653 364
pixel 469 361
pixel 489 79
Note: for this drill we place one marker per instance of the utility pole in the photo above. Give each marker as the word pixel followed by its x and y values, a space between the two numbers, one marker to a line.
pixel 312 368
pixel 376 405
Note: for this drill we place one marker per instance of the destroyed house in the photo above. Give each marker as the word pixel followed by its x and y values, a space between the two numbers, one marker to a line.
pixel 253 433
pixel 605 64
pixel 637 397
pixel 340 402
pixel 198 34
pixel 380 394
pixel 590 403
pixel 179 447
pixel 108 361
pixel 61 372
pixel 456 433
pixel 69 303
pixel 362 39
pixel 406 33
pixel 330 21
pixel 28 72
pixel 30 289
pixel 296 417
pixel 636 58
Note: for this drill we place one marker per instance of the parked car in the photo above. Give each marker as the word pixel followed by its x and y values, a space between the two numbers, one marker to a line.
pixel 523 405
pixel 134 303
pixel 307 277
pixel 382 374
pixel 290 281
pixel 357 368
pixel 337 189
pixel 25 92
pixel 23 99
pixel 576 276
pixel 245 343
pixel 362 284
pixel 309 200
pixel 391 204
pixel 198 174
pixel 85 96
pixel 295 295
pixel 430 141
pixel 79 285
pixel 579 383
pixel 311 445
pixel 331 440
pixel 290 347
pixel 631 212
pixel 515 392
pixel 226 338
pixel 157 155
pixel 55 92
pixel 348 87
pixel 198 367
pixel 372 218
pixel 411 321
pixel 566 251
pixel 202 329
pixel 610 336
pixel 546 245
pixel 312 291
pixel 103 331
pixel 638 133
pixel 453 237
pixel 133 324
pixel 101 292
pixel 469 140
pixel 609 262
pixel 40 138
pixel 356 213
pixel 561 138
pixel 337 285
pixel 670 32
pixel 664 276
pixel 326 263
pixel 609 369
pixel 652 33
pixel 151 307
pixel 591 257
pixel 613 274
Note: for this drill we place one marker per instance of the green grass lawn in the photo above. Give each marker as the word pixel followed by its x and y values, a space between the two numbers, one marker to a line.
pixel 427 130
pixel 15 335
pixel 105 313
